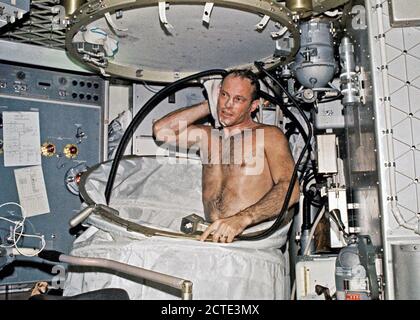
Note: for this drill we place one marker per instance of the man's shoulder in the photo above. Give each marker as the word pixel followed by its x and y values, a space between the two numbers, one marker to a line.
pixel 274 138
pixel 271 131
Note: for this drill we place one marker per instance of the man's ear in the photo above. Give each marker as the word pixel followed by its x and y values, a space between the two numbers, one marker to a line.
pixel 254 105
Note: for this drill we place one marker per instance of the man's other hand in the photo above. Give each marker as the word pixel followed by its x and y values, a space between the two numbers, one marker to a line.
pixel 225 230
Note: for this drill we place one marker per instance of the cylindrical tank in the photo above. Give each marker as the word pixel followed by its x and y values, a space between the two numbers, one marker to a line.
pixel 348 75
pixel 315 65
pixel 71 5
pixel 347 57
pixel 299 5
pixel 406 265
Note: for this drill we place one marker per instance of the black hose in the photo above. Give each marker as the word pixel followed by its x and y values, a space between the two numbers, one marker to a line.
pixel 306 216
pixel 311 195
pixel 307 192
pixel 276 101
pixel 286 111
pixel 288 114
pixel 306 180
pixel 143 112
pixel 281 218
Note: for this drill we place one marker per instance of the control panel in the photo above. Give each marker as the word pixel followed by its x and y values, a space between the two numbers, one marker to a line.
pixel 73 88
pixel 51 129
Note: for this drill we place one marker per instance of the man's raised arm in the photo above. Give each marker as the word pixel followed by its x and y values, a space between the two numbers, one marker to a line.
pixel 169 128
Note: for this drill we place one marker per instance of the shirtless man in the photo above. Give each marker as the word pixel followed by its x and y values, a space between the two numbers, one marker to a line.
pixel 236 194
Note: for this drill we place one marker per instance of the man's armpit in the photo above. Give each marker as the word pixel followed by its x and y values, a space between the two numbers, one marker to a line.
pixel 197 136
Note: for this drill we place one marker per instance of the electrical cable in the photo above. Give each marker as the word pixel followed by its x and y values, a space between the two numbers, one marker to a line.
pixel 150 88
pixel 17 224
pixel 21 224
pixel 306 180
pixel 306 214
pixel 286 111
pixel 16 204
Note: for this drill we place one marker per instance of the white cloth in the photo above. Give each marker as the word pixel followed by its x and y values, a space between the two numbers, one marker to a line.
pixel 213 88
pixel 116 130
pixel 101 37
pixel 159 194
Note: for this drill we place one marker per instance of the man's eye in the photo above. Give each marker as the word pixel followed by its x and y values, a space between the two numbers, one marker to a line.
pixel 238 100
pixel 223 94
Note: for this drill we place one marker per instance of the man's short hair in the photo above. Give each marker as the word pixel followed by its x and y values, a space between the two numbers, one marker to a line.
pixel 246 74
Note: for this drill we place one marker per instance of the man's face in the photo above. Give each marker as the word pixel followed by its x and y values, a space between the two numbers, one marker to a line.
pixel 235 103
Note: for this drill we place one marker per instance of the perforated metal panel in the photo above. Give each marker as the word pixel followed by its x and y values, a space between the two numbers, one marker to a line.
pixel 403 63
pixel 397 68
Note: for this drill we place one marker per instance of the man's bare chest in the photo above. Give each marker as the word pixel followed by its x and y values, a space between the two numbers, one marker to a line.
pixel 234 152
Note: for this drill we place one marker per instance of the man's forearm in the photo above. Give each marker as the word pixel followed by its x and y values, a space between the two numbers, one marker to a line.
pixel 187 116
pixel 270 205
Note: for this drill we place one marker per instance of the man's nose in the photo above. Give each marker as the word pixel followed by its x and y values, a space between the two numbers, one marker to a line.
pixel 228 102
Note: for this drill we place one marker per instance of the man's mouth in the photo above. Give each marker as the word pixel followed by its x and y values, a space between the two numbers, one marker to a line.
pixel 226 114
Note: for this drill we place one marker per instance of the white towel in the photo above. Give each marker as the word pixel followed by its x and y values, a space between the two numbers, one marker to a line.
pixel 213 88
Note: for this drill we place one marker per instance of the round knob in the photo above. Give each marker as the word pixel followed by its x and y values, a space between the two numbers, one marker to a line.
pixel 71 151
pixel 62 81
pixel 20 75
pixel 48 149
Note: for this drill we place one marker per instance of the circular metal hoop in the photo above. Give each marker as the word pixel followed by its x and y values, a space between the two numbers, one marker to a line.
pixel 121 222
pixel 95 12
pixel 127 224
